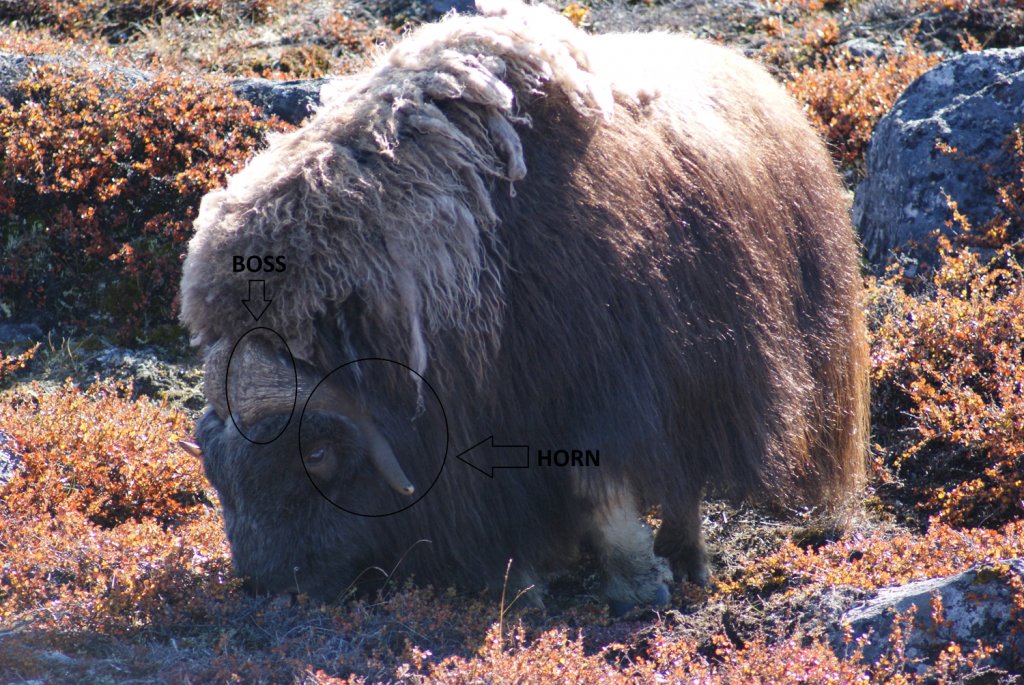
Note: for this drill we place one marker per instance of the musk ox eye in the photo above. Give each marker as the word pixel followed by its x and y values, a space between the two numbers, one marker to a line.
pixel 317 456
pixel 321 463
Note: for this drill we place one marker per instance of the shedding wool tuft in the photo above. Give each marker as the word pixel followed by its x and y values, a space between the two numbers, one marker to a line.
pixel 386 191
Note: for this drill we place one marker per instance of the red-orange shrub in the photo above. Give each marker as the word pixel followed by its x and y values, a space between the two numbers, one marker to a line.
pixel 557 656
pixel 879 559
pixel 10 364
pixel 948 370
pixel 948 377
pixel 1006 228
pixel 847 95
pixel 99 453
pixel 106 522
pixel 576 12
pixel 353 36
pixel 303 61
pixel 115 19
pixel 63 572
pixel 99 182
pixel 335 44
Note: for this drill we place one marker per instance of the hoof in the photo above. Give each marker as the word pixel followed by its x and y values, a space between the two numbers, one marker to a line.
pixel 663 596
pixel 618 608
pixel 698 575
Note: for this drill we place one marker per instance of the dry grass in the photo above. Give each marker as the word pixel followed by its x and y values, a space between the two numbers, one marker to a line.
pixel 269 38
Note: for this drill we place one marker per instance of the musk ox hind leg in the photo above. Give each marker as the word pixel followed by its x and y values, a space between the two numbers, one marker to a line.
pixel 633 574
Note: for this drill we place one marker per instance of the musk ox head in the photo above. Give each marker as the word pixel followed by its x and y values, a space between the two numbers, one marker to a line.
pixel 629 244
pixel 302 466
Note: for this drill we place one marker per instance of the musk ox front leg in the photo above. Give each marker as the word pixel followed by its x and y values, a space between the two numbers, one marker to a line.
pixel 681 541
pixel 633 574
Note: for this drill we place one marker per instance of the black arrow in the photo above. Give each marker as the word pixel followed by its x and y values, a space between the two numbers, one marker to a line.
pixel 255 309
pixel 486 456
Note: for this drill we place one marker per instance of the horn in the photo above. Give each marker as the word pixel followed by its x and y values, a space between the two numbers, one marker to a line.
pixel 261 382
pixel 191 448
pixel 383 459
pixel 381 455
pixel 215 367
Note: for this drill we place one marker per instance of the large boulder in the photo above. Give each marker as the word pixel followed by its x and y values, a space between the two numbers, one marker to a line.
pixel 972 103
pixel 977 605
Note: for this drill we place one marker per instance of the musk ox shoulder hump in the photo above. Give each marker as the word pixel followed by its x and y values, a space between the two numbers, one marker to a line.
pixel 350 182
pixel 388 191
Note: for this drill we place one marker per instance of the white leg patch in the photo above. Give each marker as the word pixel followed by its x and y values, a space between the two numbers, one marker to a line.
pixel 633 573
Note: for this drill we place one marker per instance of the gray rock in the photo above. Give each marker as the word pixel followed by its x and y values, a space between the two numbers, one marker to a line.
pixel 973 103
pixel 55 658
pixel 20 332
pixel 10 462
pixel 737 19
pixel 862 47
pixel 292 101
pixel 977 605
pixel 150 373
pixel 16 68
pixel 461 6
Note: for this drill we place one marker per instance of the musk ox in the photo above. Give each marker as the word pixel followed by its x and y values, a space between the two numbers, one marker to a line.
pixel 629 244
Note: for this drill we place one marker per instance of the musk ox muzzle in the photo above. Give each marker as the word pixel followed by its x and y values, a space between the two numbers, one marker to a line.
pixel 627 244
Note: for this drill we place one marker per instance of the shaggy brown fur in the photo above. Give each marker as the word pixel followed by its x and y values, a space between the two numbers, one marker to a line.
pixel 631 243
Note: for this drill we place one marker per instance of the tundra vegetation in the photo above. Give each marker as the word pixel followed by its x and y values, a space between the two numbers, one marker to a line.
pixel 113 561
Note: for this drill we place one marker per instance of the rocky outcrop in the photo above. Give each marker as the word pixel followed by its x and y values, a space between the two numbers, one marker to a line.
pixel 977 605
pixel 291 101
pixel 972 103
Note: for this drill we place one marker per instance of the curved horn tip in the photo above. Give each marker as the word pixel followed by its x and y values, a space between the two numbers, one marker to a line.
pixel 192 448
pixel 384 461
